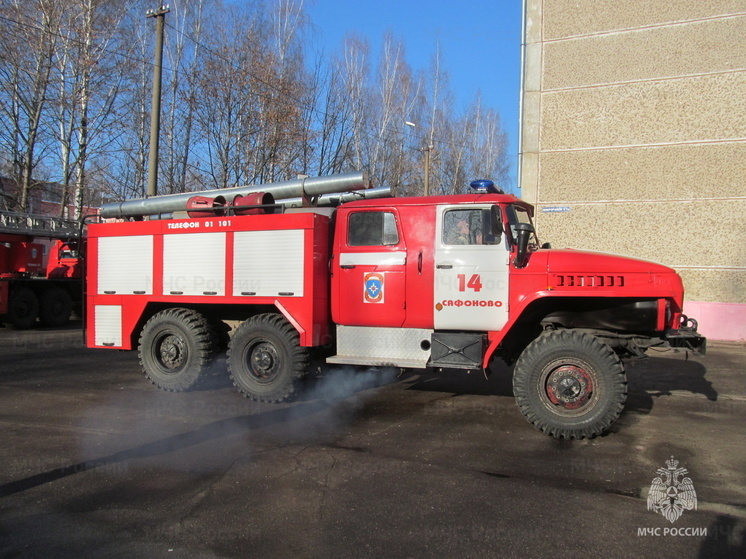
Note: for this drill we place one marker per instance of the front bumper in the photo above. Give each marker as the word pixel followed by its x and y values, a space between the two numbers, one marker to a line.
pixel 687 337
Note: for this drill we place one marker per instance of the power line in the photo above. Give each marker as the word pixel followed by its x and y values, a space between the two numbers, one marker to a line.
pixel 74 40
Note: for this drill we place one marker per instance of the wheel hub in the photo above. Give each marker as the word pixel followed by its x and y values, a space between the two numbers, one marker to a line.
pixel 569 386
pixel 172 351
pixel 23 308
pixel 263 361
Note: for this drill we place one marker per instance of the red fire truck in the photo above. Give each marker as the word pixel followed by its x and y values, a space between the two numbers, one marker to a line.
pixel 40 270
pixel 445 282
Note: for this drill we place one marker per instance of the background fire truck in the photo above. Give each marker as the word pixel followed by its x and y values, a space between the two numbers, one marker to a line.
pixel 40 270
pixel 445 282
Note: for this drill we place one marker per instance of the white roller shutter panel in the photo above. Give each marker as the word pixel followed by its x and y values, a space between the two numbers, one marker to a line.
pixel 107 321
pixel 194 264
pixel 125 265
pixel 268 263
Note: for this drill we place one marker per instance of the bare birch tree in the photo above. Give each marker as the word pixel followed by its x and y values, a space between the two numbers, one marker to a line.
pixel 335 138
pixel 243 103
pixel 26 63
pixel 487 143
pixel 183 49
pixel 397 94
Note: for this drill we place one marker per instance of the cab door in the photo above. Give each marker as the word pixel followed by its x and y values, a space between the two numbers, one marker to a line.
pixel 471 269
pixel 368 271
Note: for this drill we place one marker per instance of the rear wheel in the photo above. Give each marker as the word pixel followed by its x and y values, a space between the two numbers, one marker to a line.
pixel 177 347
pixel 23 308
pixel 265 358
pixel 570 385
pixel 56 306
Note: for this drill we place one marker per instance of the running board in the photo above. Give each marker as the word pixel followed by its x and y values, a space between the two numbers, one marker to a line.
pixel 376 362
pixel 382 347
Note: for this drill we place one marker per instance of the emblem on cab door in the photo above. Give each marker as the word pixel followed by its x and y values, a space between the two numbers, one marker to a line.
pixel 373 287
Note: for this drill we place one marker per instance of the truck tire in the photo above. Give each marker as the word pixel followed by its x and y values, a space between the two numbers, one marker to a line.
pixel 56 306
pixel 265 358
pixel 570 385
pixel 176 349
pixel 23 308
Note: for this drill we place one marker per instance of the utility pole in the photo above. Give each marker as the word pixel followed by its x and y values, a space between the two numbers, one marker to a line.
pixel 155 110
pixel 427 151
pixel 397 186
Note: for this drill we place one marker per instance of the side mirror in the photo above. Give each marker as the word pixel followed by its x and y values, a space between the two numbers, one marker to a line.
pixel 523 232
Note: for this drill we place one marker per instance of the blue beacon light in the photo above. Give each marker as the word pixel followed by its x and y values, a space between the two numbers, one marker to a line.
pixel 485 185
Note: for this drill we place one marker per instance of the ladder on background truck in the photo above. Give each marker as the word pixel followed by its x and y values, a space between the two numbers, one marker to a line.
pixel 37 225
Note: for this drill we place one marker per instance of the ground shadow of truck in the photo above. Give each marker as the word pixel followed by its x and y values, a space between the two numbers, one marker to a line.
pixel 648 380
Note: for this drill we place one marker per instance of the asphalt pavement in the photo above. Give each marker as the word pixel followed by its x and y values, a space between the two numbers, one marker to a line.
pixel 96 462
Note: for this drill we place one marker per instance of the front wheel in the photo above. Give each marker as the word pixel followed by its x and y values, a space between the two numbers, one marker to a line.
pixel 23 308
pixel 570 385
pixel 265 358
pixel 56 306
pixel 177 347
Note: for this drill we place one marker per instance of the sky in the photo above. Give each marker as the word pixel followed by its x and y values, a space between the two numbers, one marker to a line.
pixel 480 43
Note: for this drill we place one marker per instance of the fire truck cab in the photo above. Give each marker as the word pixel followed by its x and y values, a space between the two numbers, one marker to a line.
pixel 40 272
pixel 421 282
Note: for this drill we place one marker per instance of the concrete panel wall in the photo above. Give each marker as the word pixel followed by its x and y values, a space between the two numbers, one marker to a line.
pixel 675 110
pixel 685 234
pixel 634 117
pixel 670 172
pixel 569 18
pixel 685 49
pixel 721 285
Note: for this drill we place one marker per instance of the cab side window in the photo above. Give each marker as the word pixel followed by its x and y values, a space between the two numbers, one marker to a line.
pixel 372 229
pixel 475 226
pixel 460 226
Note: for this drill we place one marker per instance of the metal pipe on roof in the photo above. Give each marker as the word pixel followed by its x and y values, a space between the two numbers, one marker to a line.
pixel 310 186
pixel 337 198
